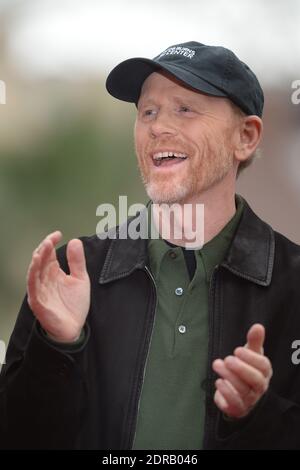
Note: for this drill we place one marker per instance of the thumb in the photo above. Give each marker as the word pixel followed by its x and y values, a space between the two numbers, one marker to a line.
pixel 76 258
pixel 255 338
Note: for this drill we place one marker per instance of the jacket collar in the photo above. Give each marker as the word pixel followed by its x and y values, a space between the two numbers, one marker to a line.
pixel 250 256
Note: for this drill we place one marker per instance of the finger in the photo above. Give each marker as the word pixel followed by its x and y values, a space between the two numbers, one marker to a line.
pixel 258 361
pixel 235 405
pixel 48 259
pixel 34 275
pixel 33 280
pixel 221 369
pixel 47 252
pixel 220 401
pixel 251 376
pixel 55 237
pixel 255 338
pixel 76 259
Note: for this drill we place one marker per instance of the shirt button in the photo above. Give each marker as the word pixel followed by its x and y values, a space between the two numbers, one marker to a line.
pixel 172 254
pixel 182 329
pixel 179 291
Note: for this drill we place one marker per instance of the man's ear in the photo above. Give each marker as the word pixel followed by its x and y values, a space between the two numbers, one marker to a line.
pixel 250 133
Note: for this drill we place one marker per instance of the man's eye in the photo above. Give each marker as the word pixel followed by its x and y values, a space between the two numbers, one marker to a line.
pixel 148 112
pixel 184 109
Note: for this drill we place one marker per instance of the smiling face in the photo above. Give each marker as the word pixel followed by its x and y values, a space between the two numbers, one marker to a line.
pixel 194 131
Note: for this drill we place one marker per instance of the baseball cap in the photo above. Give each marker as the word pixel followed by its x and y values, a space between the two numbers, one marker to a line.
pixel 213 70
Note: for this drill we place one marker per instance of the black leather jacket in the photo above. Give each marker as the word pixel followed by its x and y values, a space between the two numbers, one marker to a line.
pixel 88 398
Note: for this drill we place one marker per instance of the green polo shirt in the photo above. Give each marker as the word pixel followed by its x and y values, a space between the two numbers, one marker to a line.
pixel 172 403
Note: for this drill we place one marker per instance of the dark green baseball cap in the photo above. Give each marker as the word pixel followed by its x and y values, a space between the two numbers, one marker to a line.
pixel 213 70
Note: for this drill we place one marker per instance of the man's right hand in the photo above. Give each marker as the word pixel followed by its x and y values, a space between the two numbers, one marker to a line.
pixel 59 301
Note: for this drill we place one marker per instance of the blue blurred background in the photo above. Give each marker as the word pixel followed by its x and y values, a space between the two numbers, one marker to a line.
pixel 66 146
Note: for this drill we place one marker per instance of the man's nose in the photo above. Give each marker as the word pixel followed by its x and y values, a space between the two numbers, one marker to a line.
pixel 162 124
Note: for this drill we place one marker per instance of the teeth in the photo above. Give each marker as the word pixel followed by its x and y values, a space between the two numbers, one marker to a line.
pixel 161 155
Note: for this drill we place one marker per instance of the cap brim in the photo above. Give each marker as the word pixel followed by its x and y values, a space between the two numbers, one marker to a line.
pixel 126 79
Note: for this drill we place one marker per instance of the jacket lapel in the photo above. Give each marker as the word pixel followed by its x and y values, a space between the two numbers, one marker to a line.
pixel 251 254
pixel 124 254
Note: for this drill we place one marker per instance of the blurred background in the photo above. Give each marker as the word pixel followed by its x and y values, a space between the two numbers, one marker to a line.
pixel 66 146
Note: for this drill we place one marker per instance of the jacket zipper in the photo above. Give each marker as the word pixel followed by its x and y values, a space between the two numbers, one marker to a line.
pixel 139 392
pixel 210 413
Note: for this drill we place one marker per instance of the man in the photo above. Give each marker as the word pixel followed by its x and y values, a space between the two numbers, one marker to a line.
pixel 130 344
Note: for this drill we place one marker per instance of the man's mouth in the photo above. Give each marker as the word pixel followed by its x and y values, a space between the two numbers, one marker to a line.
pixel 168 158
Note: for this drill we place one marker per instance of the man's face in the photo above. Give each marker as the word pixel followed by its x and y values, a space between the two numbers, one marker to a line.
pixel 198 128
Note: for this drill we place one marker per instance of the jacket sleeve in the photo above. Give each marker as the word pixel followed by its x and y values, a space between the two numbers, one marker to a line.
pixel 273 424
pixel 42 389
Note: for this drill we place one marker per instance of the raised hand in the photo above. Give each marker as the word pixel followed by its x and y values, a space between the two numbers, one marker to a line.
pixel 59 301
pixel 245 376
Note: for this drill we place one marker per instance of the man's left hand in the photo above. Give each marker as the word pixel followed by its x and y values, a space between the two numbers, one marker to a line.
pixel 245 376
